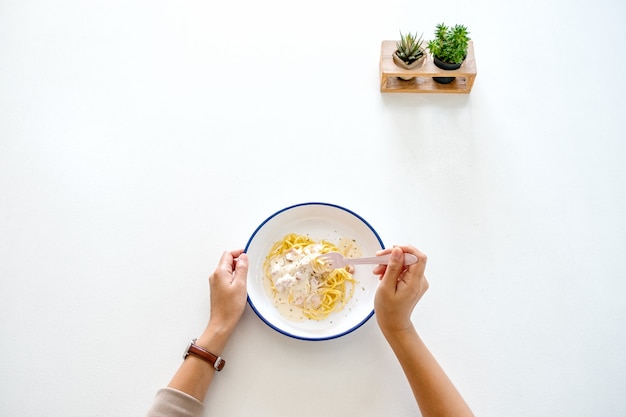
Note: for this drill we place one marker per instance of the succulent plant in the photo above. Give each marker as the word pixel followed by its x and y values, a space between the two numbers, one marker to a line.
pixel 450 43
pixel 409 48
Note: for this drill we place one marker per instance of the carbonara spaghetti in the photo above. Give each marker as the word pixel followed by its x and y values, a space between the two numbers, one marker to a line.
pixel 301 285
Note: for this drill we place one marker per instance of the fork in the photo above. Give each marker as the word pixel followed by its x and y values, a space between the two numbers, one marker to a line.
pixel 336 260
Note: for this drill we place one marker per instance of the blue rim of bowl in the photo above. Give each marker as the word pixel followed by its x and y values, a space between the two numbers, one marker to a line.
pixel 283 331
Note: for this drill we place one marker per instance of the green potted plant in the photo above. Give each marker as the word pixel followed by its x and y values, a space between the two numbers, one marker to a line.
pixel 449 48
pixel 409 53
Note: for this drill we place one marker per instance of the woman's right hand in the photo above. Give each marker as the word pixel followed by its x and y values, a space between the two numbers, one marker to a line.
pixel 401 287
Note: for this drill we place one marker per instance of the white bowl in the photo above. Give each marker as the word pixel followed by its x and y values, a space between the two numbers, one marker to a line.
pixel 319 221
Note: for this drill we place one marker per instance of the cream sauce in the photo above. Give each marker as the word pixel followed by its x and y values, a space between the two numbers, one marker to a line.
pixel 294 278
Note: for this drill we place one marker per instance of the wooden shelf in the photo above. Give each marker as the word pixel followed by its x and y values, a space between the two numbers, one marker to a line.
pixel 423 81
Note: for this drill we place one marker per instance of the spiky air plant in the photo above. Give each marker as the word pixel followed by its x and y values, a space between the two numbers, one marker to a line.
pixel 409 48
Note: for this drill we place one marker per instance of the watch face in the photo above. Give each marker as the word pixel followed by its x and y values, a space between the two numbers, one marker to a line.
pixel 186 352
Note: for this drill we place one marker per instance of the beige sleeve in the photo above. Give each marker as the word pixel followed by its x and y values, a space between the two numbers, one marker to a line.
pixel 173 403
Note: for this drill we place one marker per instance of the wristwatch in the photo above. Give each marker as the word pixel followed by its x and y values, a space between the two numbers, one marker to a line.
pixel 193 349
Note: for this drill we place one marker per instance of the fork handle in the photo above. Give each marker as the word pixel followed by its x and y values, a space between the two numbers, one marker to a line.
pixel 409 259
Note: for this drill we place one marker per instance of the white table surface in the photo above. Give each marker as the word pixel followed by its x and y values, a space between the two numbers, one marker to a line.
pixel 138 140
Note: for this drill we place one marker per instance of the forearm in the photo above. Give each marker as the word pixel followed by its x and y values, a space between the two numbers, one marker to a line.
pixel 435 394
pixel 195 375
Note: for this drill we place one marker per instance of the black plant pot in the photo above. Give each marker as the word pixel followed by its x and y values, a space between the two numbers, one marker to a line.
pixel 445 66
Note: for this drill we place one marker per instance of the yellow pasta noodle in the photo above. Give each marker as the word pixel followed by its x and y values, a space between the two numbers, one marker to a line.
pixel 300 280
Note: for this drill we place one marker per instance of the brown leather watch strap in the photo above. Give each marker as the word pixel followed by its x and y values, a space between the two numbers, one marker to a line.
pixel 215 361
